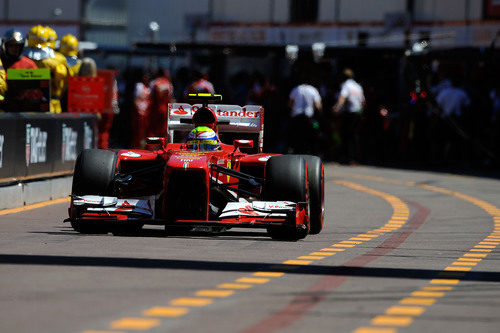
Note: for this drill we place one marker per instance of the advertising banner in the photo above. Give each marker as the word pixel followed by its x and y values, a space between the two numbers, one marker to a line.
pixel 86 94
pixel 29 90
pixel 43 145
pixel 109 81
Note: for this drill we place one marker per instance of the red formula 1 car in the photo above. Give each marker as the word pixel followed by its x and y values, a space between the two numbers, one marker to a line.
pixel 185 189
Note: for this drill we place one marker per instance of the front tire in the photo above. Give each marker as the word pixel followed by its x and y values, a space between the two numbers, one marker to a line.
pixel 286 180
pixel 94 173
pixel 316 177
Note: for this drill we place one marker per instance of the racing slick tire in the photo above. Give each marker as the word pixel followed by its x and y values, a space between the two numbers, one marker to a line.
pixel 286 180
pixel 94 173
pixel 316 176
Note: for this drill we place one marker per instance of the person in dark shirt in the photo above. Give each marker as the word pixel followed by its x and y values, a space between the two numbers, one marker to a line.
pixel 11 51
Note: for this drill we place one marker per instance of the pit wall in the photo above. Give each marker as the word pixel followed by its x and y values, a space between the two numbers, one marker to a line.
pixel 38 152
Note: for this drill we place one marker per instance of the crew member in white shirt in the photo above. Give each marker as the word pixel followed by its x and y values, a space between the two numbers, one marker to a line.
pixel 349 106
pixel 304 100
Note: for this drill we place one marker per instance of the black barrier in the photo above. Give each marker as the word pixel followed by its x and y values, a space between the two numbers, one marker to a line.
pixel 34 144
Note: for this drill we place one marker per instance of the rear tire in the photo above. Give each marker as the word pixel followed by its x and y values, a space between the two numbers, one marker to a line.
pixel 316 176
pixel 94 173
pixel 286 180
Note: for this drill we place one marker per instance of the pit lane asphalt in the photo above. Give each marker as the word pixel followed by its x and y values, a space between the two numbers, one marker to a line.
pixel 55 280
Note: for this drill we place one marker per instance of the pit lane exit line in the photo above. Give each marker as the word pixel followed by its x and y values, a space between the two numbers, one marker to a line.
pixel 403 314
pixel 181 306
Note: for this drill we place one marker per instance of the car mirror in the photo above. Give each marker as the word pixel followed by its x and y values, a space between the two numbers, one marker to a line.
pixel 243 143
pixel 156 140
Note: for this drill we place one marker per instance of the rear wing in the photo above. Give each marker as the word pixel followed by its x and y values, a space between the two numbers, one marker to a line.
pixel 230 119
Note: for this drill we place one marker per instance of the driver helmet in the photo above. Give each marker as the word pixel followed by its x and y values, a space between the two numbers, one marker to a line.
pixel 13 37
pixel 203 138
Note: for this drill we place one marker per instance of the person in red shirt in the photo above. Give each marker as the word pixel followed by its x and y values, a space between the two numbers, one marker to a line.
pixel 12 49
pixel 200 84
pixel 161 94
pixel 140 112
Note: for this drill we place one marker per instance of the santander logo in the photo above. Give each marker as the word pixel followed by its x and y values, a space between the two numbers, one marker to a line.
pixel 180 111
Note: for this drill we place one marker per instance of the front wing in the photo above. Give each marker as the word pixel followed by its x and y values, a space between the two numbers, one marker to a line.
pixel 256 214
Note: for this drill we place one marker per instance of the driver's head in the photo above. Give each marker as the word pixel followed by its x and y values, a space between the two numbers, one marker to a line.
pixel 203 138
pixel 205 116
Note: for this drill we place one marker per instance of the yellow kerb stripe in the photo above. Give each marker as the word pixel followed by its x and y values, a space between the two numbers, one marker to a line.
pixel 214 293
pixel 234 286
pixel 135 323
pixel 269 274
pixel 322 253
pixel 405 310
pixel 165 311
pixel 417 301
pixel 252 280
pixel 444 281
pixel 375 330
pixel 437 288
pixel 427 294
pixel 191 301
pixel 296 262
pixel 392 320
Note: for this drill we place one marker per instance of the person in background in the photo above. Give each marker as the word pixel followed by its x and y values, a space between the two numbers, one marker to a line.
pixel 12 49
pixel 200 84
pixel 3 84
pixel 68 47
pixel 453 103
pixel 104 119
pixel 304 100
pixel 11 55
pixel 140 113
pixel 349 106
pixel 161 94
pixel 40 52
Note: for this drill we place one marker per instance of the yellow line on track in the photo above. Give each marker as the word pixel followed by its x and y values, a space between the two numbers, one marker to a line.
pixel 450 276
pixel 33 206
pixel 181 306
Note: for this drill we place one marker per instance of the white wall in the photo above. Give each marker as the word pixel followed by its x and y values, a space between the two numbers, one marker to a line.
pixel 170 15
pixel 41 10
pixel 371 10
pixel 448 10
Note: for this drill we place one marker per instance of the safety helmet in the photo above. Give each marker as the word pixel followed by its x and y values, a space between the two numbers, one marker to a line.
pixel 69 46
pixel 203 138
pixel 52 38
pixel 38 37
pixel 16 37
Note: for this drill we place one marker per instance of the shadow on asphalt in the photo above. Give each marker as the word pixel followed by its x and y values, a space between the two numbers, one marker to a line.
pixel 255 235
pixel 425 274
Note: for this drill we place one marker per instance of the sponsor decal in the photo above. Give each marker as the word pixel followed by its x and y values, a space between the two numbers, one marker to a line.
pixel 180 111
pixel 69 143
pixel 2 139
pixel 88 134
pixel 220 113
pixel 194 155
pixel 247 210
pixel 131 154
pixel 229 167
pixel 264 159
pixel 36 145
pixel 240 114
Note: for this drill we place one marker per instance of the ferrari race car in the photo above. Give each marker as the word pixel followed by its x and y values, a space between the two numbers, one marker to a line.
pixel 183 188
